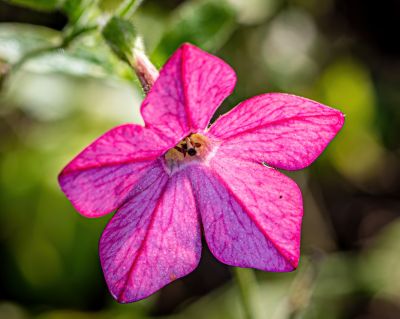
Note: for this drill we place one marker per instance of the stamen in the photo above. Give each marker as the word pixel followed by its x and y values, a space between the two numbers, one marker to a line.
pixel 179 149
pixel 194 146
pixel 189 143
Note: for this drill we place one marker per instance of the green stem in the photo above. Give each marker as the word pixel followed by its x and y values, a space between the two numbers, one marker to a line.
pixel 76 33
pixel 247 285
pixel 128 8
pixel 32 54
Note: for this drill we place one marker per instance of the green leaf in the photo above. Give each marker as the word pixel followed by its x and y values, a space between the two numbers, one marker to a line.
pixel 121 36
pixel 18 39
pixel 43 5
pixel 207 24
pixel 89 57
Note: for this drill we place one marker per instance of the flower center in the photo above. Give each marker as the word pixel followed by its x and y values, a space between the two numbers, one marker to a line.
pixel 188 146
pixel 193 147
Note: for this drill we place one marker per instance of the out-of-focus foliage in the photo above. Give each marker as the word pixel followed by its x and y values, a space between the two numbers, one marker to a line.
pixel 205 23
pixel 358 100
pixel 71 87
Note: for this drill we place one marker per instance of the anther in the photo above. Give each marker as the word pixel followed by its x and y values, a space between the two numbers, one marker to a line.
pixel 192 151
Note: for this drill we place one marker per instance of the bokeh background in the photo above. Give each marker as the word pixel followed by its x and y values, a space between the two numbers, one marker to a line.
pixel 343 53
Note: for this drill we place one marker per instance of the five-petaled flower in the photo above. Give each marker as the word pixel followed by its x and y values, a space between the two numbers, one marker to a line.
pixel 176 176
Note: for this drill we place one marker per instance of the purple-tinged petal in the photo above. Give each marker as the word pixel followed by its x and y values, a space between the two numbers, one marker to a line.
pixel 191 85
pixel 251 214
pixel 152 240
pixel 101 177
pixel 283 130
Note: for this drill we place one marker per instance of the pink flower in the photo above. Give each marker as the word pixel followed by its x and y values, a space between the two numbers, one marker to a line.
pixel 177 176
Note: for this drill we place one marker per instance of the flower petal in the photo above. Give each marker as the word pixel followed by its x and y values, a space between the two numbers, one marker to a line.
pixel 285 131
pixel 251 214
pixel 152 240
pixel 102 176
pixel 191 85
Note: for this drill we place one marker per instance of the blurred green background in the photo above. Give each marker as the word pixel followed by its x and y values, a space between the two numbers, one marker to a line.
pixel 55 99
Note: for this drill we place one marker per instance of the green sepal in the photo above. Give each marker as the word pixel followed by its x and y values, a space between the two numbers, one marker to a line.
pixel 121 37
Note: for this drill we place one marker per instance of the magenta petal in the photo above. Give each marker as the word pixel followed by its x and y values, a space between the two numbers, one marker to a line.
pixel 251 214
pixel 152 240
pixel 101 177
pixel 191 85
pixel 285 131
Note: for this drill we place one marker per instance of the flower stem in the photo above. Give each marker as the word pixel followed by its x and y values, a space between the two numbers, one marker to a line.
pixel 247 285
pixel 146 72
pixel 128 8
